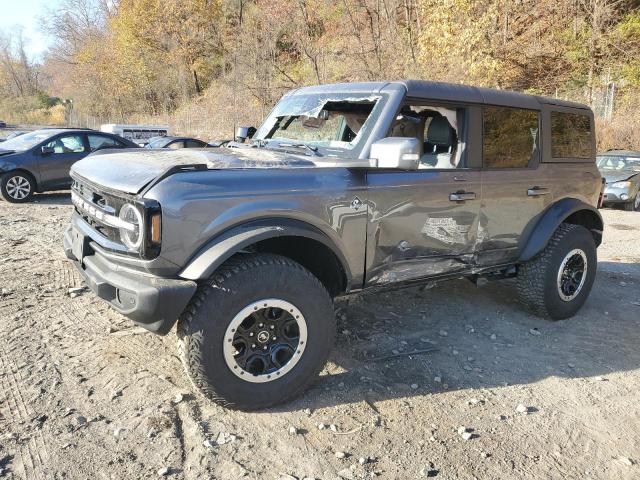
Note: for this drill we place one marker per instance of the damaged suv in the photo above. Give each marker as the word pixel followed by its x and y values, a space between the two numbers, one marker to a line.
pixel 343 188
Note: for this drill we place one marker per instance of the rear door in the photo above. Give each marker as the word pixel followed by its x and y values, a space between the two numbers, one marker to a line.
pixel 54 167
pixel 515 190
pixel 422 223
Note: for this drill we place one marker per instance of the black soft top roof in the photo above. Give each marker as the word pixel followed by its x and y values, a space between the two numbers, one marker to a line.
pixel 446 92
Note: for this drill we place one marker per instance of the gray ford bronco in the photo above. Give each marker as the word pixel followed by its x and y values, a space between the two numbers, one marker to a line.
pixel 343 188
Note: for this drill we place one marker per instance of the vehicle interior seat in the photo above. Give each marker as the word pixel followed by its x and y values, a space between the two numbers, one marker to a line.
pixel 439 147
pixel 409 126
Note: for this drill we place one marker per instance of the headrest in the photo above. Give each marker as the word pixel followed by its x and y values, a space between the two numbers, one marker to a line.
pixel 439 132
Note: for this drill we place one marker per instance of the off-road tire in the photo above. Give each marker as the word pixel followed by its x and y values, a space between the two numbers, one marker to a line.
pixel 538 279
pixel 242 280
pixel 17 176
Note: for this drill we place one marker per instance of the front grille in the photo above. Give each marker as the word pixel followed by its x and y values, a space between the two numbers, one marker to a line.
pixel 103 203
pixel 100 208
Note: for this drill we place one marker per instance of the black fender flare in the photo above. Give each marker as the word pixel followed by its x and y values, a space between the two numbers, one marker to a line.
pixel 237 238
pixel 550 220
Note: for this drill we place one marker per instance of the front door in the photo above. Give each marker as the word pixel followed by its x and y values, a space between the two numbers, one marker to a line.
pixel 416 228
pixel 423 223
pixel 54 166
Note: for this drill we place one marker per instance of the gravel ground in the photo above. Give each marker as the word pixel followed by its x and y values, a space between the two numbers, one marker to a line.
pixel 499 394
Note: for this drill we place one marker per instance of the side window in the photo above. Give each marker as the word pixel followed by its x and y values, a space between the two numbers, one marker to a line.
pixel 571 135
pixel 510 137
pixel 67 144
pixel 194 144
pixel 439 131
pixel 176 145
pixel 98 142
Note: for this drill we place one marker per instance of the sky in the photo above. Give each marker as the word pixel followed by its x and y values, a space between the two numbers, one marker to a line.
pixel 25 14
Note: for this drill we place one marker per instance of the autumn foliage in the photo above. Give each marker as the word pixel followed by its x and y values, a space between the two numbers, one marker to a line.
pixel 205 65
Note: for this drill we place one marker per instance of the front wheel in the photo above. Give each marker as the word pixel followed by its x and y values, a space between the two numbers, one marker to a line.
pixel 17 187
pixel 557 282
pixel 257 332
pixel 633 205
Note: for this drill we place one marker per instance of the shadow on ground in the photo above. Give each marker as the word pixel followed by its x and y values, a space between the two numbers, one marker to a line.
pixel 55 198
pixel 483 339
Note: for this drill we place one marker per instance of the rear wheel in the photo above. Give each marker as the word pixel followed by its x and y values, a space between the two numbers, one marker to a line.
pixel 557 282
pixel 257 332
pixel 17 187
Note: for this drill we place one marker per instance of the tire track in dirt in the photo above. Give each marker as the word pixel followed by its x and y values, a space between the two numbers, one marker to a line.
pixel 33 456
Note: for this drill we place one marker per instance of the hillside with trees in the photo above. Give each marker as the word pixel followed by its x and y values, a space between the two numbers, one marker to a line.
pixel 206 65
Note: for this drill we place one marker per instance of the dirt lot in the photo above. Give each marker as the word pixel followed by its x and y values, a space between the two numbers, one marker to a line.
pixel 85 394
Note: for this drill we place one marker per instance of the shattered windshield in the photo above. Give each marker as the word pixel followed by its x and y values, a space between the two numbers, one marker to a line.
pixel 319 122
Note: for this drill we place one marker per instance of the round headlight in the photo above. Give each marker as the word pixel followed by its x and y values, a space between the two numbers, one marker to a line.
pixel 624 196
pixel 131 235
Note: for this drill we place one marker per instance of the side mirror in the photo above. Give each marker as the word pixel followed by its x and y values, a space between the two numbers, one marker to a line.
pixel 242 133
pixel 396 152
pixel 46 150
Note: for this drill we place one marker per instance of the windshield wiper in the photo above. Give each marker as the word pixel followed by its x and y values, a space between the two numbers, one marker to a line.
pixel 313 150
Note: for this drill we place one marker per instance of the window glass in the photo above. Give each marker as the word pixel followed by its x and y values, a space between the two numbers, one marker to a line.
pixel 176 145
pixel 97 142
pixel 619 163
pixel 67 144
pixel 26 141
pixel 570 135
pixel 510 137
pixel 327 124
pixel 437 129
pixel 194 144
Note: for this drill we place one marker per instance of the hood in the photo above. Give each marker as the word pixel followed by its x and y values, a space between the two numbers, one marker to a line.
pixel 612 176
pixel 131 170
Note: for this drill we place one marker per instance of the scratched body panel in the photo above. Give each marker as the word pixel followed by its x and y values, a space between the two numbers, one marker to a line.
pixel 414 229
pixel 197 207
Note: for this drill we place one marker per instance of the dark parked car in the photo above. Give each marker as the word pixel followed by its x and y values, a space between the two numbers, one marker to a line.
pixel 175 142
pixel 3 124
pixel 343 188
pixel 39 161
pixel 14 134
pixel 621 170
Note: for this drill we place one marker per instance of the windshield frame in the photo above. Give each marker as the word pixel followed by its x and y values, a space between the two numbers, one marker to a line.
pixel 332 151
pixel 12 143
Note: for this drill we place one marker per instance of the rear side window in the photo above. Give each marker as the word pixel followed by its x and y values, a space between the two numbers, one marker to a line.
pixel 98 142
pixel 571 135
pixel 510 137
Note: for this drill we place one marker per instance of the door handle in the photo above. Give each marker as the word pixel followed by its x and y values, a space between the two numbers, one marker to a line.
pixel 462 196
pixel 537 191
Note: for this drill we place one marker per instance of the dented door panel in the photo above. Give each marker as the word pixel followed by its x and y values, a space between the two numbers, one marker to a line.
pixel 415 229
pixel 507 209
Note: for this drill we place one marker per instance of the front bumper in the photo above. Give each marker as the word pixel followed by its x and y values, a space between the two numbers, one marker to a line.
pixel 616 195
pixel 150 301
